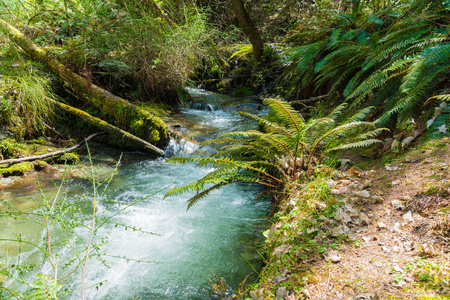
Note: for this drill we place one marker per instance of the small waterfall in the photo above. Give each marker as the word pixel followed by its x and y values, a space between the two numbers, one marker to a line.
pixel 201 106
pixel 180 147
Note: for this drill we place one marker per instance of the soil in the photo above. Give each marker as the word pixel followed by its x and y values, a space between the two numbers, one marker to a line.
pixel 402 249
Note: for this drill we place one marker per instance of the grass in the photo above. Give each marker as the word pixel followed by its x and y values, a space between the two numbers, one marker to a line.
pixel 23 99
pixel 297 236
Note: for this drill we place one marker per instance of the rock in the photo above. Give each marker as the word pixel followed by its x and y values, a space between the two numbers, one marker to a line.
pixel 278 251
pixel 343 164
pixel 395 145
pixel 281 293
pixel 291 297
pixel 281 278
pixel 333 256
pixel 257 294
pixel 364 219
pixel 397 228
pixel 397 204
pixel 409 246
pixel 381 225
pixel 391 167
pixel 366 183
pixel 363 193
pixel 324 219
pixel 407 141
pixel 306 293
pixel 385 249
pixel 377 199
pixel 407 217
pixel 395 182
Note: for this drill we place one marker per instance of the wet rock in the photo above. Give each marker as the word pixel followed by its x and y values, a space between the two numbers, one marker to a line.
pixel 200 106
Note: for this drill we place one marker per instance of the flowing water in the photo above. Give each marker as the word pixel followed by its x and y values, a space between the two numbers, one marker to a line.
pixel 217 237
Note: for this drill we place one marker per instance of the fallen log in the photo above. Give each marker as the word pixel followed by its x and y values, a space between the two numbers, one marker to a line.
pixel 128 116
pixel 120 137
pixel 51 154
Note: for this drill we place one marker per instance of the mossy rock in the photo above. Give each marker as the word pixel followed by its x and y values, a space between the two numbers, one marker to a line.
pixel 138 127
pixel 40 165
pixel 153 136
pixel 69 158
pixel 18 169
pixel 10 148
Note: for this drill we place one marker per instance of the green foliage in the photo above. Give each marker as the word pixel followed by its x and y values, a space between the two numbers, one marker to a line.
pixel 289 148
pixel 23 95
pixel 125 44
pixel 395 58
pixel 44 288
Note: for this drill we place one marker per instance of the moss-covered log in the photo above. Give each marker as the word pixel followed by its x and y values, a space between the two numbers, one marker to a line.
pixel 120 137
pixel 126 115
pixel 47 155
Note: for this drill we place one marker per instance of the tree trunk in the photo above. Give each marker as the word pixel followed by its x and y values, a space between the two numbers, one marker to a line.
pixel 249 29
pixel 119 136
pixel 127 115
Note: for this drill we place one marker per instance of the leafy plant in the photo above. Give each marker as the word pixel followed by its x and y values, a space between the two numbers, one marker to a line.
pixel 288 148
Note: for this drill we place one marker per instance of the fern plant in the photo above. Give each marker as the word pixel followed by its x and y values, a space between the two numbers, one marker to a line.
pixel 288 149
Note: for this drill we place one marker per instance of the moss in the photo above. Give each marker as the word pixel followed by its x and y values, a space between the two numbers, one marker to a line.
pixel 153 136
pixel 17 169
pixel 9 148
pixel 137 127
pixel 40 165
pixel 243 92
pixel 69 158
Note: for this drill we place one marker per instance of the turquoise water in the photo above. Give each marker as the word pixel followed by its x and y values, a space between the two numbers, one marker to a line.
pixel 217 237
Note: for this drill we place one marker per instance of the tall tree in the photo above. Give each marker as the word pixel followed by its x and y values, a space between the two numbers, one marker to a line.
pixel 249 28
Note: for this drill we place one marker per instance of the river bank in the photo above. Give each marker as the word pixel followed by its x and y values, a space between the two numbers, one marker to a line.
pixel 377 232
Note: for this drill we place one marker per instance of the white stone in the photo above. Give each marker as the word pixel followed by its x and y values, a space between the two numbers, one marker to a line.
pixel 397 204
pixel 363 193
pixel 407 217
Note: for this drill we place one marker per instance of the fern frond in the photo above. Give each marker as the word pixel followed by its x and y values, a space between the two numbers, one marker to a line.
pixel 293 119
pixel 359 144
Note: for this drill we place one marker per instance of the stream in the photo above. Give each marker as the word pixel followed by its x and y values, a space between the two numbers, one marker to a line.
pixel 218 237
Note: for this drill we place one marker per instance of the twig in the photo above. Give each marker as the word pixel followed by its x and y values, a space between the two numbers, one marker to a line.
pixel 16 160
pixel 310 100
pixel 92 228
